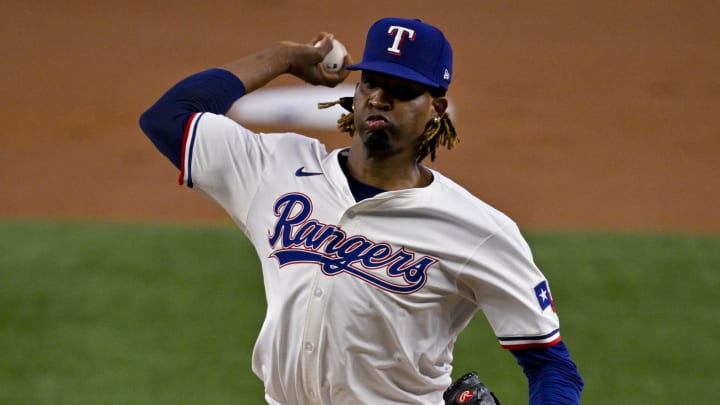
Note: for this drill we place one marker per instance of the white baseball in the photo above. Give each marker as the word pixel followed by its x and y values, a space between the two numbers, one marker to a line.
pixel 333 61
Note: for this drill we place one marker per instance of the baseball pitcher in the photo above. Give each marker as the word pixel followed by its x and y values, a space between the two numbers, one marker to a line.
pixel 372 262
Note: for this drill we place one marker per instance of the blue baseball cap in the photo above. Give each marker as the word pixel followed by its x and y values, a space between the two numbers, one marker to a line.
pixel 409 49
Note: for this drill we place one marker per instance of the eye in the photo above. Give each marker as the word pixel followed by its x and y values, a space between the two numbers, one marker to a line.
pixel 368 82
pixel 406 93
pixel 400 90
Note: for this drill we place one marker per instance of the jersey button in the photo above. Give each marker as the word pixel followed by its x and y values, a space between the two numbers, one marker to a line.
pixel 308 346
pixel 318 292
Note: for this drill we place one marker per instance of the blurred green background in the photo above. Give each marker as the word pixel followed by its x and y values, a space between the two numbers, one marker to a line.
pixel 95 313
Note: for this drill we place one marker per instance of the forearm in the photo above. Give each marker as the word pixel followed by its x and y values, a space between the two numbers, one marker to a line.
pixel 258 69
pixel 552 376
pixel 300 60
pixel 553 387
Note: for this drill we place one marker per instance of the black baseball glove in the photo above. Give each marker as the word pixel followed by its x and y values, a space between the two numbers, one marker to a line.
pixel 468 390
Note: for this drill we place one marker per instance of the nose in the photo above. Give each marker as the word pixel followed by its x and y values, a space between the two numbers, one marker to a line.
pixel 380 99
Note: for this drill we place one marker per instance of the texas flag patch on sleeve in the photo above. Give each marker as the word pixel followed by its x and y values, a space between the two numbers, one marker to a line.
pixel 543 295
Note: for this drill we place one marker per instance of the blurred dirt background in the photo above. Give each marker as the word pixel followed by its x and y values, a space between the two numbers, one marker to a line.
pixel 578 115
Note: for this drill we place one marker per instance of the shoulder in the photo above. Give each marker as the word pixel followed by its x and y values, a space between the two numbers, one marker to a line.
pixel 458 198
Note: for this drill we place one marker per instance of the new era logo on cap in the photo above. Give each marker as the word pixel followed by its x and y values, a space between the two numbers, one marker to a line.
pixel 409 49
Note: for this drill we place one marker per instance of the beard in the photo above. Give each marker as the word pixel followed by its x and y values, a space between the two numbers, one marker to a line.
pixel 377 141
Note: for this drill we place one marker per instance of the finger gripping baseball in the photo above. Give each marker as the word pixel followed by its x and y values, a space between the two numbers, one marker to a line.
pixel 468 390
pixel 335 59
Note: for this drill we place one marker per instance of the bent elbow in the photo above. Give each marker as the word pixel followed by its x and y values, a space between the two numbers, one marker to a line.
pixel 164 132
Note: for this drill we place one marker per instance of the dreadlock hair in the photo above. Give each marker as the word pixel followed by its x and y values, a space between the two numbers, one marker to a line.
pixel 438 132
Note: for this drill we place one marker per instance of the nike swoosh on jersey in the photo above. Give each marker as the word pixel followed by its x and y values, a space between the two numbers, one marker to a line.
pixel 302 173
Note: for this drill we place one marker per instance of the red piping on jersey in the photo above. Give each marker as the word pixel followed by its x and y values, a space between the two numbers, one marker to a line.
pixel 182 152
pixel 530 345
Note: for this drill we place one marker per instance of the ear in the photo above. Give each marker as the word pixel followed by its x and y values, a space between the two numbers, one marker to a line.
pixel 440 105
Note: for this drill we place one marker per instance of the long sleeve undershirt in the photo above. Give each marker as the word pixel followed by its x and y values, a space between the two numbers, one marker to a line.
pixel 552 376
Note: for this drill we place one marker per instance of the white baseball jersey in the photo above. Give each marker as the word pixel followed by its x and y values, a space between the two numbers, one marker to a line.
pixel 364 299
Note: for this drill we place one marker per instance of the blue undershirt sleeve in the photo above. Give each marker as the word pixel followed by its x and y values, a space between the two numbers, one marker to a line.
pixel 212 90
pixel 552 376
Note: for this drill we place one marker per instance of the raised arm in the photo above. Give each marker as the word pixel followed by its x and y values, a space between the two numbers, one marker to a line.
pixel 215 90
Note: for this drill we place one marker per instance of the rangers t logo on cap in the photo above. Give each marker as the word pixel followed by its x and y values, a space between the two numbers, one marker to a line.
pixel 399 36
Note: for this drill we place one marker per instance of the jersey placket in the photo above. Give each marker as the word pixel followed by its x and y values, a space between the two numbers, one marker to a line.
pixel 314 323
pixel 311 344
